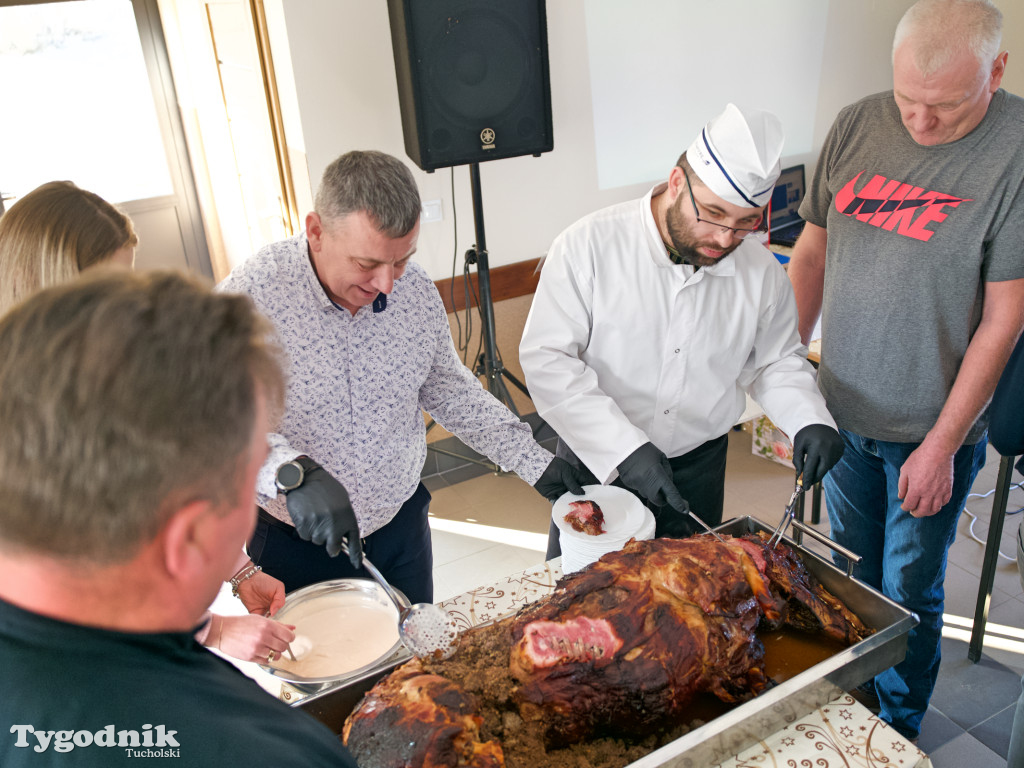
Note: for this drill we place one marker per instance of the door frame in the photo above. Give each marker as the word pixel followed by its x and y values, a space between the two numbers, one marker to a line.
pixel 158 66
pixel 184 200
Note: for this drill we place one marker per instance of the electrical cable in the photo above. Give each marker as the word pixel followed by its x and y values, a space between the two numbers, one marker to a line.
pixel 467 307
pixel 487 360
pixel 472 294
pixel 459 343
pixel 974 517
pixel 464 346
pixel 463 337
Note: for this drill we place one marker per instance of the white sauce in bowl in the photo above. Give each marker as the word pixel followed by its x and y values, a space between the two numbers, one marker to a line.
pixel 348 630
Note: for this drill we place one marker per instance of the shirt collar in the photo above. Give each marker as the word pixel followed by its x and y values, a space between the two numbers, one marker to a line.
pixel 48 632
pixel 659 252
pixel 325 302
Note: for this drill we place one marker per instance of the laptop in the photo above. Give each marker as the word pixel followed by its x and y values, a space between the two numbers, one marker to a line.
pixel 784 223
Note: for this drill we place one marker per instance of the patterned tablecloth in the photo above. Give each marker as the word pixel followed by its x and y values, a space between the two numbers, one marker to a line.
pixel 503 597
pixel 842 733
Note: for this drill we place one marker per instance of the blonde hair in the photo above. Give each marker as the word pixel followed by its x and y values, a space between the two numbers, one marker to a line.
pixel 54 232
pixel 942 29
pixel 123 396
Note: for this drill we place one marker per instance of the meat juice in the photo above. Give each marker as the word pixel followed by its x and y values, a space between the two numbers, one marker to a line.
pixel 788 652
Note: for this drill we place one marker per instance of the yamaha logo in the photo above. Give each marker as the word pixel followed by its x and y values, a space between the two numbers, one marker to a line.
pixel 487 137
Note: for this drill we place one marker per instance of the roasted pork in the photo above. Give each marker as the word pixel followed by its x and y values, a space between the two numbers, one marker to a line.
pixel 621 647
pixel 416 719
pixel 586 517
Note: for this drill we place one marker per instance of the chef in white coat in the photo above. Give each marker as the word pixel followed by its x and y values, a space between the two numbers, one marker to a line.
pixel 653 318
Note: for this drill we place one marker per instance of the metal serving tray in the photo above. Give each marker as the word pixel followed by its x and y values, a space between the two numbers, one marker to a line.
pixel 756 719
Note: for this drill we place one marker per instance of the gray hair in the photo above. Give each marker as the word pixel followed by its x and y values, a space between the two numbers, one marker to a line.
pixel 124 396
pixel 941 29
pixel 379 184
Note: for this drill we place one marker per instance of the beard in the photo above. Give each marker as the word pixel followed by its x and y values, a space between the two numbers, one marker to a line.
pixel 686 245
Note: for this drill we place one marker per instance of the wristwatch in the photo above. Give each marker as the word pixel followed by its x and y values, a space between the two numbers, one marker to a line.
pixel 291 474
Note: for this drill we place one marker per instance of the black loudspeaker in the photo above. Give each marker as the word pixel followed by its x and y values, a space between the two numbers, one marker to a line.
pixel 473 82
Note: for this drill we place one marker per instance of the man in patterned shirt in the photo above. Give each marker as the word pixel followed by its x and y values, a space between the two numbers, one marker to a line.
pixel 369 348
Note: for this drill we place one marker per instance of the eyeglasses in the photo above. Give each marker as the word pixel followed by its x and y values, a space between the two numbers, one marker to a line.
pixel 735 231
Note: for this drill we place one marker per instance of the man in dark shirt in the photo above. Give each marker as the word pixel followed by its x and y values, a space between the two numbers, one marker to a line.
pixel 135 410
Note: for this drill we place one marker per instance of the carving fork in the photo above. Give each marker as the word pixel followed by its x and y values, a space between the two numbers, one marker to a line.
pixel 780 529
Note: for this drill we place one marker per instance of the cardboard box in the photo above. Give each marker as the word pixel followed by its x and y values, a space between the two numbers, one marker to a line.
pixel 771 442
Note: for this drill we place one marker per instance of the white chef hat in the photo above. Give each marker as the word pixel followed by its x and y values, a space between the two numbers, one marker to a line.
pixel 737 155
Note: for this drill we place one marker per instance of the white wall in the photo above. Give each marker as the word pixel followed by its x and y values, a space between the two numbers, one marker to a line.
pixel 347 98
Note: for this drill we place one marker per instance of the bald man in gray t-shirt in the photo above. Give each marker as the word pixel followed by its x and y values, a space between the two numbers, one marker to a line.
pixel 913 255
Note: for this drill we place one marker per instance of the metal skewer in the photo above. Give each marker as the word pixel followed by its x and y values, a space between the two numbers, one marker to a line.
pixel 705 525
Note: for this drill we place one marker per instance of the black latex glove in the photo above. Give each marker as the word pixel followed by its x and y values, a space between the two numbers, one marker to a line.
pixel 674 524
pixel 816 449
pixel 646 471
pixel 323 514
pixel 561 476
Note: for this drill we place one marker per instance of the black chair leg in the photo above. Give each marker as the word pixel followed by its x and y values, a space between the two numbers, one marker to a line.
pixel 988 569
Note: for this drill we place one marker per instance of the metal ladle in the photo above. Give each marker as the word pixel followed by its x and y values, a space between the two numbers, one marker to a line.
pixel 425 629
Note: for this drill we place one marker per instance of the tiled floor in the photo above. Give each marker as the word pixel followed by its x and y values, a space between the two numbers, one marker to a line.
pixel 490 526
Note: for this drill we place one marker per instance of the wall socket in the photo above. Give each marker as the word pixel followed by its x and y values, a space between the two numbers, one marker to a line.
pixel 431 211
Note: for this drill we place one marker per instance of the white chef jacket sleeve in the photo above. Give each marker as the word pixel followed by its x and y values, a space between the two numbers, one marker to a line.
pixel 564 389
pixel 777 374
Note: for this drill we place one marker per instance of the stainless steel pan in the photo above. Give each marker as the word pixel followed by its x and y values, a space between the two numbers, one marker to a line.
pixel 754 720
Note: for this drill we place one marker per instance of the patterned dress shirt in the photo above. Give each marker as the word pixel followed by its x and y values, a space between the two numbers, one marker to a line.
pixel 357 385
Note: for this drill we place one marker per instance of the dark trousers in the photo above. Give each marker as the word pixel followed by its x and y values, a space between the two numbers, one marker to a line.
pixel 400 550
pixel 700 477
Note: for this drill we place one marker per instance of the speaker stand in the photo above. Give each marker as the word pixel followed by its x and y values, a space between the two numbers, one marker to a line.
pixel 488 364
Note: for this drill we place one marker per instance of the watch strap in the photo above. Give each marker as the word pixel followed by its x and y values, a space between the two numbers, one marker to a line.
pixel 307 464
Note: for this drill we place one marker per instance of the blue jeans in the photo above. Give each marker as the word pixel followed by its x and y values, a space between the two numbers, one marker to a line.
pixel 904 557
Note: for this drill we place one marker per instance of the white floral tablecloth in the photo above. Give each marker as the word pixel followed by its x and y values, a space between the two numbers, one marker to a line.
pixel 503 597
pixel 841 734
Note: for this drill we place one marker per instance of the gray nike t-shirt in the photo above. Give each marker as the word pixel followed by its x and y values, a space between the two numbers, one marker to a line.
pixel 914 232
